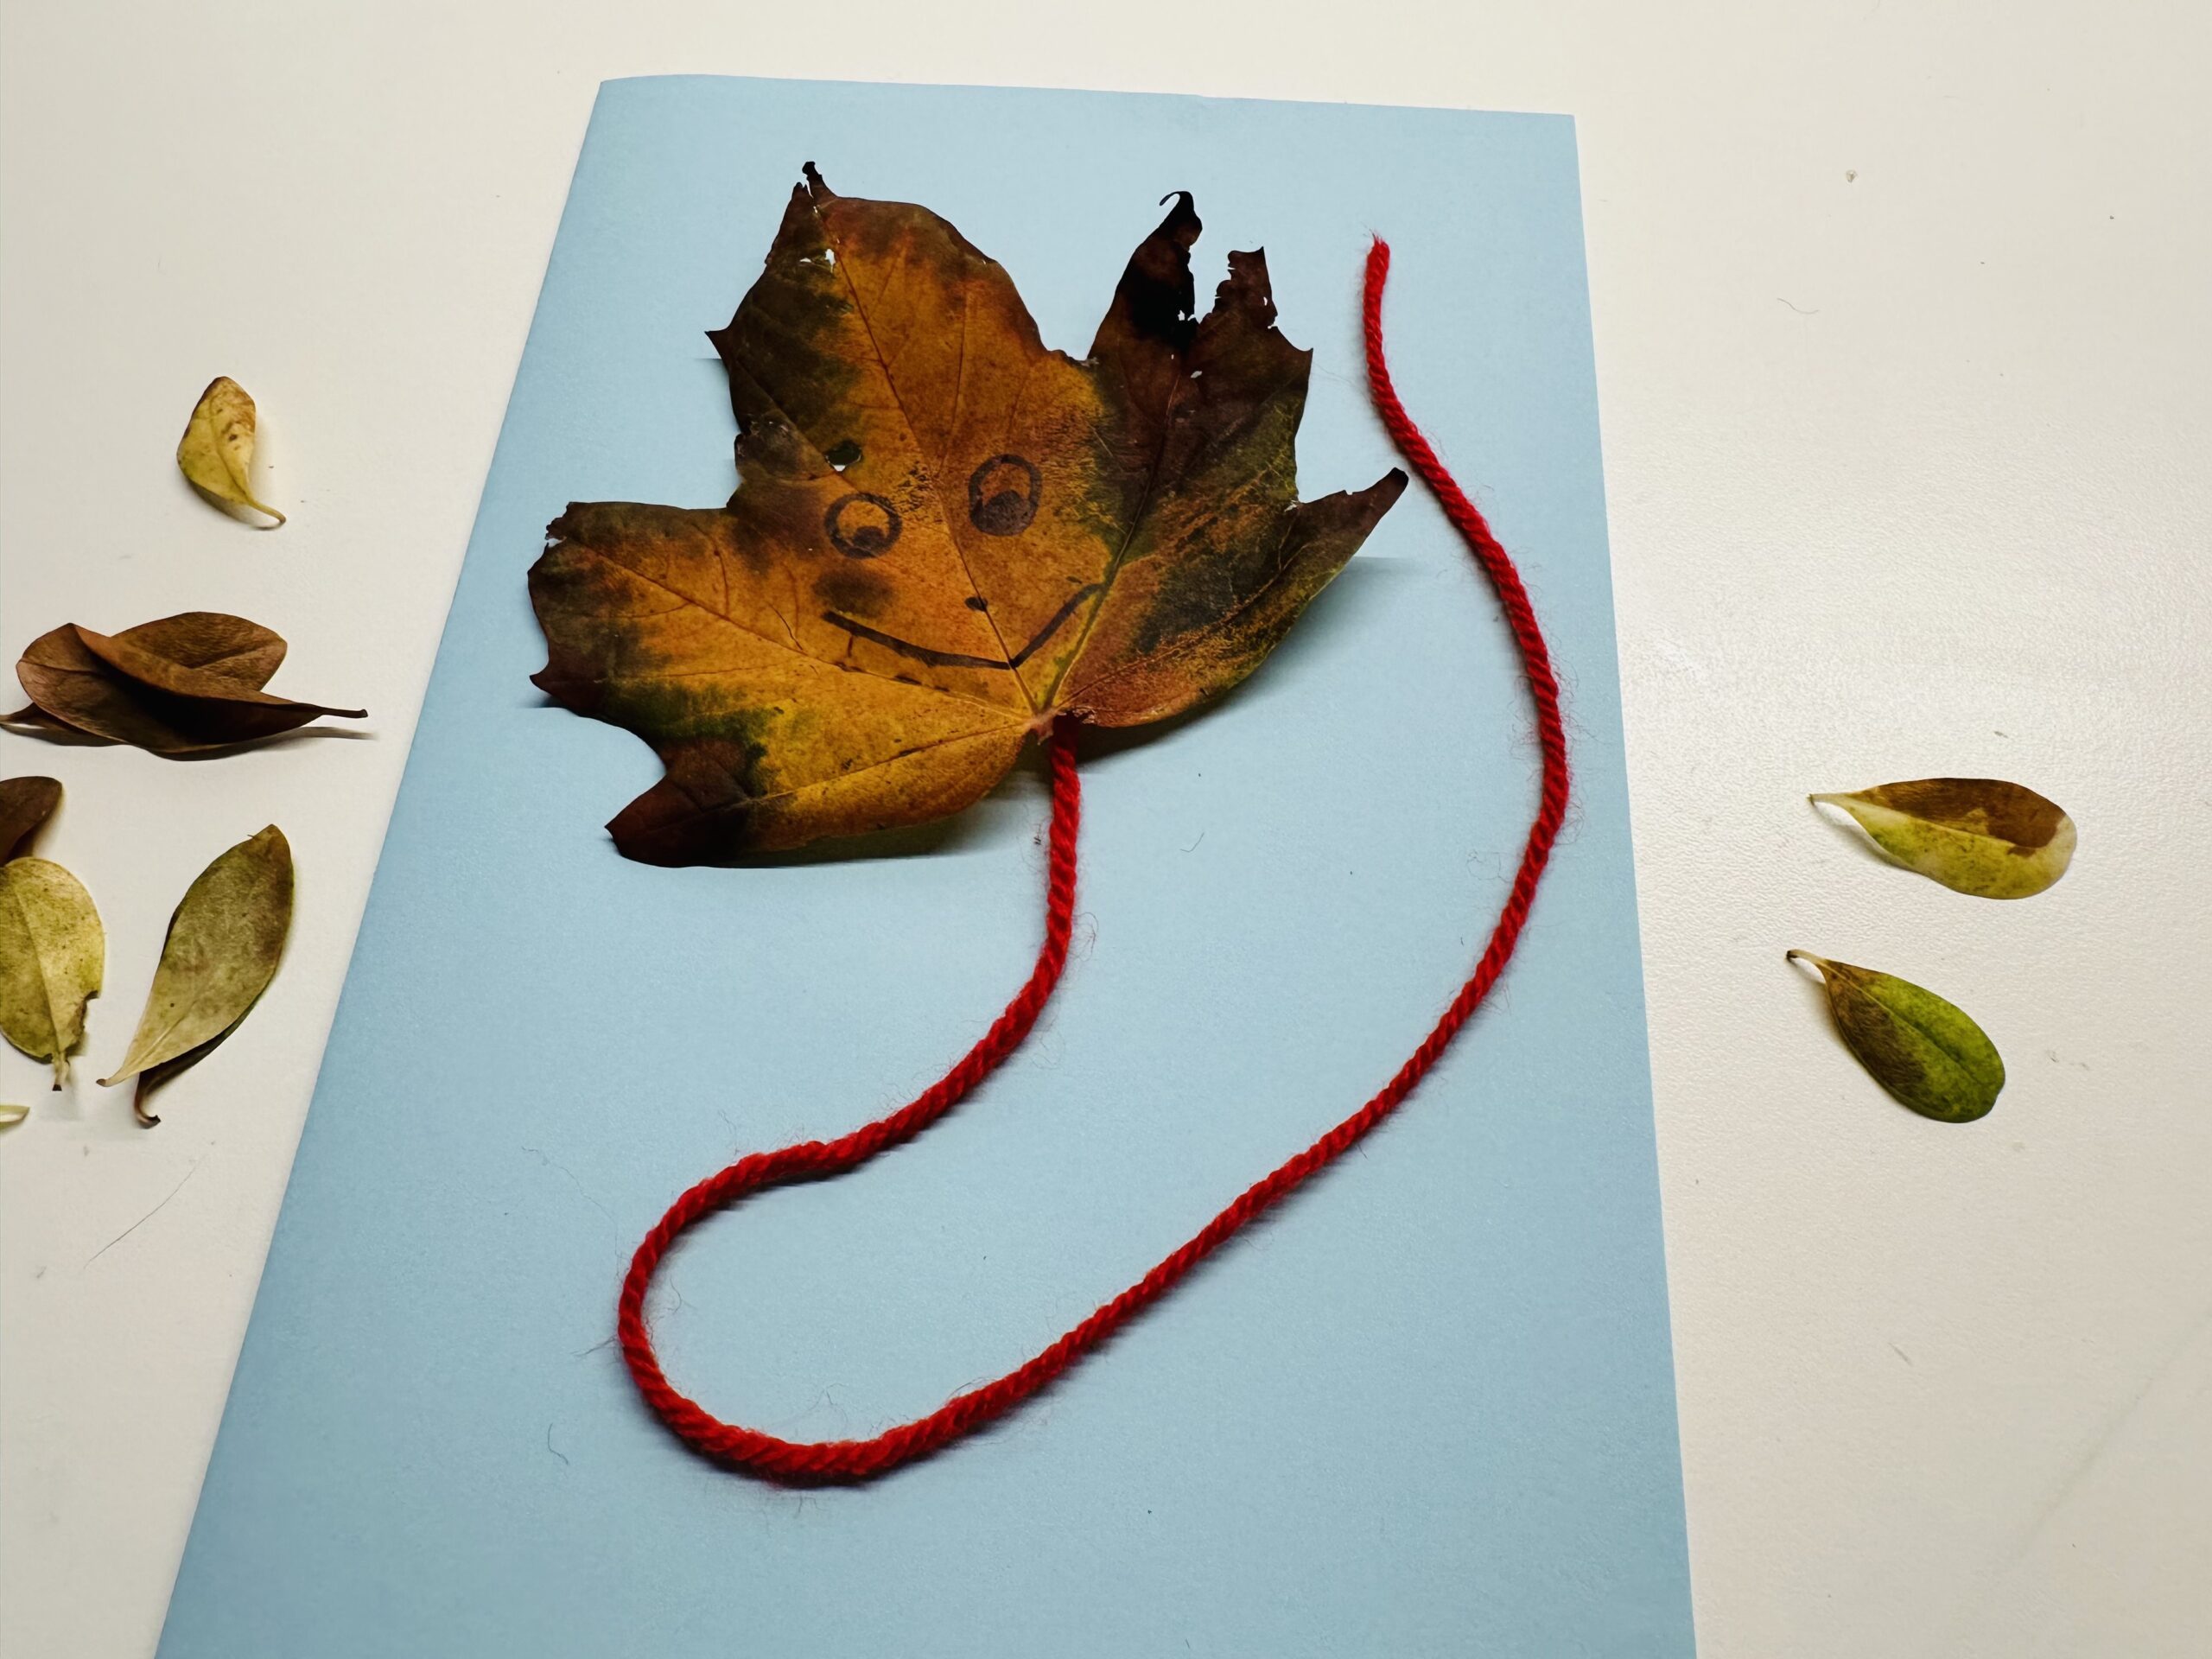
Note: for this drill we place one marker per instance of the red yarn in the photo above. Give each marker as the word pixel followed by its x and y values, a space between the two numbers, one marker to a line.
pixel 825 1461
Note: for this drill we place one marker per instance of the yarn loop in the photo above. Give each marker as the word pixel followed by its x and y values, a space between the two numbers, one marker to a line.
pixel 820 1462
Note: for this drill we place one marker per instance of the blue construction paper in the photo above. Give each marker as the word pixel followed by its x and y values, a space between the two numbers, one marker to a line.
pixel 1424 1409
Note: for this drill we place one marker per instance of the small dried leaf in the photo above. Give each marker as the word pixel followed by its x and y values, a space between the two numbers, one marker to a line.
pixel 1980 835
pixel 223 945
pixel 11 1115
pixel 52 954
pixel 176 686
pixel 229 646
pixel 216 453
pixel 1919 1047
pixel 25 804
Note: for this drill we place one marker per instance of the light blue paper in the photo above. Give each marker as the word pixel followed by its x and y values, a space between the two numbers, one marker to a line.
pixel 1426 1408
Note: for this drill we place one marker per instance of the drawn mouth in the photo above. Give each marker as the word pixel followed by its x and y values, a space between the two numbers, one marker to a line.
pixel 960 659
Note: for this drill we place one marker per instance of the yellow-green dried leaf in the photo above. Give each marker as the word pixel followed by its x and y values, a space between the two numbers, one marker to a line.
pixel 52 954
pixel 11 1115
pixel 1921 1049
pixel 222 948
pixel 1980 835
pixel 216 453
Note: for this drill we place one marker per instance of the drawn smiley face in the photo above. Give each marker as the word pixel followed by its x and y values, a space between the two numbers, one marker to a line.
pixel 1002 496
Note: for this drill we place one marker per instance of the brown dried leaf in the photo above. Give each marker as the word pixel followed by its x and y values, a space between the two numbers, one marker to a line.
pixel 177 686
pixel 25 804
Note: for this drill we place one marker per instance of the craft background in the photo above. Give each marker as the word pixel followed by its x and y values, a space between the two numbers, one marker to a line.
pixel 1900 356
pixel 1429 1402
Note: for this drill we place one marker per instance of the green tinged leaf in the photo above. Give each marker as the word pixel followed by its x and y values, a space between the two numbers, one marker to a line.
pixel 1919 1047
pixel 1980 835
pixel 51 955
pixel 11 1115
pixel 25 804
pixel 222 949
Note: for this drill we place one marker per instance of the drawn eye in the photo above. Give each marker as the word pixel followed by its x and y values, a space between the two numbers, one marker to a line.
pixel 1003 495
pixel 862 526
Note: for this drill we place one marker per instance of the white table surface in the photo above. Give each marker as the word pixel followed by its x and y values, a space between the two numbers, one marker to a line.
pixel 1902 341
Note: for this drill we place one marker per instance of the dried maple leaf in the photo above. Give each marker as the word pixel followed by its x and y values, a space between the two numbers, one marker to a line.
pixel 944 534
